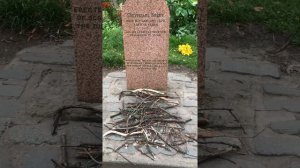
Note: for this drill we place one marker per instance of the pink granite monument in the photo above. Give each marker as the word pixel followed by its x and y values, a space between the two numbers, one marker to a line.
pixel 146 43
pixel 86 23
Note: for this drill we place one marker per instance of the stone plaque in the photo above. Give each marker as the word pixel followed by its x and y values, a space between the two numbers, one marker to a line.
pixel 87 28
pixel 146 43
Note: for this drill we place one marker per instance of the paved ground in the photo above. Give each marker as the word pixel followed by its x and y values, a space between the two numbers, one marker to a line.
pixel 41 79
pixel 183 89
pixel 32 87
pixel 265 100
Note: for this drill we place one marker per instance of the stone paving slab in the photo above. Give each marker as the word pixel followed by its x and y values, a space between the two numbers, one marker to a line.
pixel 9 108
pixel 236 86
pixel 276 89
pixel 48 55
pixel 77 134
pixel 15 73
pixel 239 163
pixel 264 118
pixel 179 77
pixel 175 161
pixel 36 157
pixel 2 129
pixel 223 140
pixel 14 82
pixel 276 103
pixel 5 157
pixel 216 54
pixel 277 145
pixel 46 94
pixel 190 103
pixel 291 127
pixel 30 134
pixel 221 119
pixel 4 124
pixel 11 90
pixel 250 68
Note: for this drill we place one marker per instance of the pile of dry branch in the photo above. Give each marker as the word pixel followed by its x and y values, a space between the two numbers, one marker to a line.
pixel 146 124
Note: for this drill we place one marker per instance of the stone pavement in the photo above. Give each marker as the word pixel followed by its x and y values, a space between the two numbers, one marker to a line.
pixel 266 101
pixel 41 79
pixel 33 86
pixel 182 89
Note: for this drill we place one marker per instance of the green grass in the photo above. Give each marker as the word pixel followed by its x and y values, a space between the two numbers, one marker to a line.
pixel 177 58
pixel 23 15
pixel 113 51
pixel 277 15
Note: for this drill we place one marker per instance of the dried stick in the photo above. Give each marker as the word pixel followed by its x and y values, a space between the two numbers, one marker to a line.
pixel 120 155
pixel 64 150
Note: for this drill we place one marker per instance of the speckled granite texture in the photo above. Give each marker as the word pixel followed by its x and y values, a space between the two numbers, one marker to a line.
pixel 146 43
pixel 86 20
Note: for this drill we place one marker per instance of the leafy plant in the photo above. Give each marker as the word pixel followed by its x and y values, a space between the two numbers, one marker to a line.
pixel 183 17
pixel 28 14
pixel 112 10
pixel 113 51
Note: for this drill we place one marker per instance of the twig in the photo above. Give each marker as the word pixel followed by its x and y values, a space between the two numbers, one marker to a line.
pixel 120 155
pixel 58 114
pixel 64 150
pixel 92 133
pixel 283 47
pixel 57 117
pixel 236 119
pixel 57 164
pixel 231 112
pixel 122 134
pixel 96 161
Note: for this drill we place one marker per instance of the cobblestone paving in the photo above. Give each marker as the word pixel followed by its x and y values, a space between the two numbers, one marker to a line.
pixel 41 79
pixel 181 88
pixel 266 101
pixel 37 82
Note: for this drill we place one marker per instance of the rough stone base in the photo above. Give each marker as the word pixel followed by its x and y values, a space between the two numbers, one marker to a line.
pixel 182 88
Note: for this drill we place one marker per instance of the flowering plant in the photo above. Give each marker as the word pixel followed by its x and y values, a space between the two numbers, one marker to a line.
pixel 185 49
pixel 106 5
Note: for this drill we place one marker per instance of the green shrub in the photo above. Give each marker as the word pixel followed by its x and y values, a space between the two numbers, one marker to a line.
pixel 183 17
pixel 27 14
pixel 113 51
pixel 111 11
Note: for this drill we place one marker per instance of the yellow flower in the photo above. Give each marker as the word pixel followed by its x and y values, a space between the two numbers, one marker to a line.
pixel 185 49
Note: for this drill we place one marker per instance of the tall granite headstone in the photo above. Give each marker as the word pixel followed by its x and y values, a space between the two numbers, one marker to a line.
pixel 87 28
pixel 146 43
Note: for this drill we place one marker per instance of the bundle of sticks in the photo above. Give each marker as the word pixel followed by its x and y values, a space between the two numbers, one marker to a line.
pixel 147 124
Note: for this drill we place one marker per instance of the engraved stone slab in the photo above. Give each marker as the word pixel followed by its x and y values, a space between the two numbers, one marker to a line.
pixel 87 28
pixel 146 43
